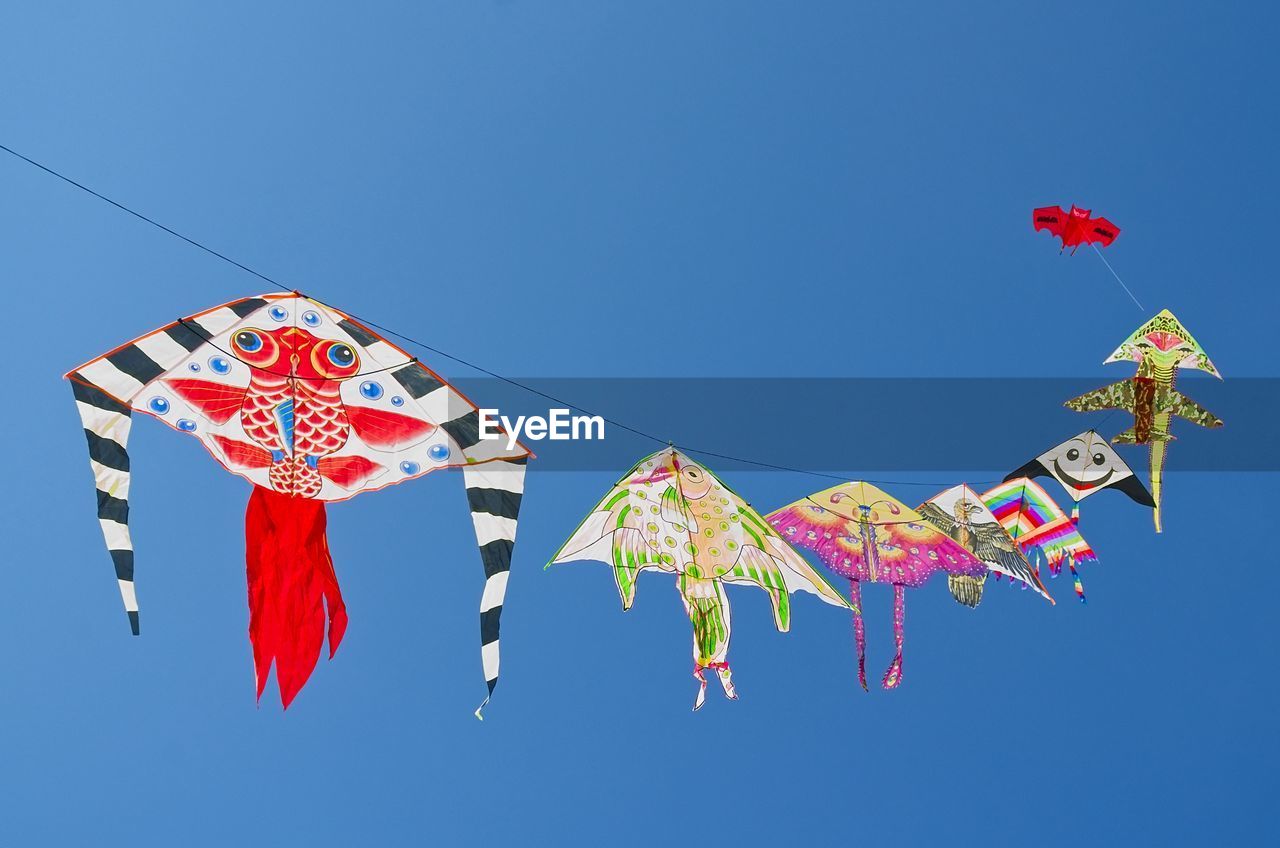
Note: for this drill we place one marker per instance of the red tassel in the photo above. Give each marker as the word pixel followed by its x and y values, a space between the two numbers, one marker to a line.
pixel 291 579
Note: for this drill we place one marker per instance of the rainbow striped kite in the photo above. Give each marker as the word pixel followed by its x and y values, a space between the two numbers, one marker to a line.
pixel 1039 526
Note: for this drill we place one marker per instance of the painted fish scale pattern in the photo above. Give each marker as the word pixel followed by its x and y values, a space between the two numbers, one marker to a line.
pixel 293 476
pixel 257 414
pixel 320 419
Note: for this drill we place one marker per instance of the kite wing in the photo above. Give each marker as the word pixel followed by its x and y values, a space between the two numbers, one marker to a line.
pixel 1115 396
pixel 1051 218
pixel 309 405
pixel 612 534
pixel 1099 230
pixel 1184 407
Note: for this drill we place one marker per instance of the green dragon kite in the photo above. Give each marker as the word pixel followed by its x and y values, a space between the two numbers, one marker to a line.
pixel 1160 347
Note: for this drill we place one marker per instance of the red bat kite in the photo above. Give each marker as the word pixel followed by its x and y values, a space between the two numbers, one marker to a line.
pixel 1075 227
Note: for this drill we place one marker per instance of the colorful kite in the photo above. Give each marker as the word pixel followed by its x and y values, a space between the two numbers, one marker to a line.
pixel 1075 227
pixel 309 405
pixel 960 513
pixel 1085 464
pixel 1160 347
pixel 671 514
pixel 861 533
pixel 1039 526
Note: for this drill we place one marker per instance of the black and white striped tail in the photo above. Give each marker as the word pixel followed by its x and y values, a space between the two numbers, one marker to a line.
pixel 494 490
pixel 106 426
pixel 103 388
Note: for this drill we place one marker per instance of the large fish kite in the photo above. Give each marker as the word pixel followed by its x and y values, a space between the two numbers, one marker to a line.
pixel 310 406
pixel 1160 347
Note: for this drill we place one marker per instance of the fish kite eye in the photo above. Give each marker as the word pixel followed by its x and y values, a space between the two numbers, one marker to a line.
pixel 341 355
pixel 248 341
pixel 335 360
pixel 253 347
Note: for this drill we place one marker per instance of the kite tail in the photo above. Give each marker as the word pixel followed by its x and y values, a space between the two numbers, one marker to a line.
pixel 1075 576
pixel 291 581
pixel 859 631
pixel 1157 478
pixel 701 697
pixel 1071 560
pixel 708 610
pixel 893 675
pixel 726 679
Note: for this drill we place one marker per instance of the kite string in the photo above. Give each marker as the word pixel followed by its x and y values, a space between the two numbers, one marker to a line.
pixel 486 371
pixel 1117 276
pixel 142 217
pixel 218 255
pixel 615 423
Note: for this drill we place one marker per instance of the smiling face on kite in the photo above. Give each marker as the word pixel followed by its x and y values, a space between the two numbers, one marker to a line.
pixel 1085 464
pixel 1163 343
pixel 1081 470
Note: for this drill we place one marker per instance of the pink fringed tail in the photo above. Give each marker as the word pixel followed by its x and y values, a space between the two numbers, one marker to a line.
pixel 859 631
pixel 893 676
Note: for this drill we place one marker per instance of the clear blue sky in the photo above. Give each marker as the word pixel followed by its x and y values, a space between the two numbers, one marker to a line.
pixel 608 189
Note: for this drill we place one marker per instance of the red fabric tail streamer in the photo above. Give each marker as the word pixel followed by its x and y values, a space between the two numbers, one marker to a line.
pixel 1144 408
pixel 291 579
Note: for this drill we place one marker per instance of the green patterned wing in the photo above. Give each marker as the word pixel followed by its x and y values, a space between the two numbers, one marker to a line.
pixel 611 534
pixel 1115 396
pixel 1184 407
pixel 756 567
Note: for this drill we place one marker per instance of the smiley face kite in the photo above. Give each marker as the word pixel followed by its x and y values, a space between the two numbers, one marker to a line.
pixel 1085 464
